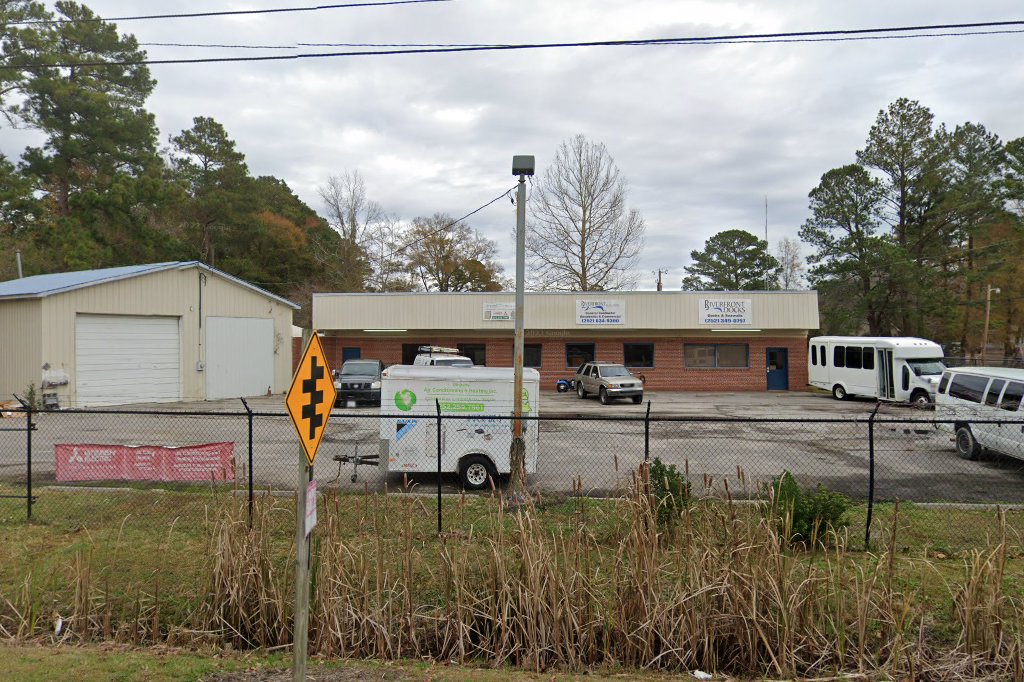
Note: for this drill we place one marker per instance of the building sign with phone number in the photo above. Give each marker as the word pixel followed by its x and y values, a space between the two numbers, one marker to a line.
pixel 724 312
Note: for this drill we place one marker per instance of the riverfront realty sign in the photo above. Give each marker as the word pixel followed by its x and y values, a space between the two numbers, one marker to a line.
pixel 724 312
pixel 600 311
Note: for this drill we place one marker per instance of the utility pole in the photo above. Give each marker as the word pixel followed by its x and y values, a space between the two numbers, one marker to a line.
pixel 660 273
pixel 988 309
pixel 766 238
pixel 521 166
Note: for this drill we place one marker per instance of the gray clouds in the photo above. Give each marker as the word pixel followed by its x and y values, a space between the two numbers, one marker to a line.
pixel 702 132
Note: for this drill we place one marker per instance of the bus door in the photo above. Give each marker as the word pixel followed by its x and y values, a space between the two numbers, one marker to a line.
pixel 886 382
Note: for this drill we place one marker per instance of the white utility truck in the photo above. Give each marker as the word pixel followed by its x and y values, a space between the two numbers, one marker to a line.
pixel 475 440
pixel 904 369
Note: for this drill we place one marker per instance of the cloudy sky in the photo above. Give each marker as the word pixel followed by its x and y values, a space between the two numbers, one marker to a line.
pixel 703 133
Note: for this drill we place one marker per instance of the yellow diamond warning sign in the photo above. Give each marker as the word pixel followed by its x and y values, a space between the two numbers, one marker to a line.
pixel 311 397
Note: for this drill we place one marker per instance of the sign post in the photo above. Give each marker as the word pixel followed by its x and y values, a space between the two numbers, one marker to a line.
pixel 309 402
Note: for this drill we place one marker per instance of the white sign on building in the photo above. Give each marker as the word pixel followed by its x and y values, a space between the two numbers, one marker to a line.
pixel 724 312
pixel 499 312
pixel 600 312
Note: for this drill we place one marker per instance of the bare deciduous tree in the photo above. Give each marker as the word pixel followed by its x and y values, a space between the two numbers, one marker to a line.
pixel 791 263
pixel 349 211
pixel 356 218
pixel 582 237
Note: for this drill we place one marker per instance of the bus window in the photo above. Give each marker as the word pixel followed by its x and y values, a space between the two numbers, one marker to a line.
pixel 869 358
pixel 906 378
pixel 992 396
pixel 839 356
pixel 821 352
pixel 1012 396
pixel 853 357
pixel 814 355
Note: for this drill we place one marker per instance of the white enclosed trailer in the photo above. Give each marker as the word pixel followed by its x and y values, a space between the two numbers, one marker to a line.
pixel 892 368
pixel 475 441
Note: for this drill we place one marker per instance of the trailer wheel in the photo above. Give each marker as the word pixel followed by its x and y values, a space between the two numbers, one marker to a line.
pixel 838 392
pixel 966 445
pixel 476 471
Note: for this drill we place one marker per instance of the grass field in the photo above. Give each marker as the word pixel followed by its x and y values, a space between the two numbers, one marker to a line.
pixel 572 584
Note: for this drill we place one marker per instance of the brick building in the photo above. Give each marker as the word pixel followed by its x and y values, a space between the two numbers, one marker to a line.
pixel 682 341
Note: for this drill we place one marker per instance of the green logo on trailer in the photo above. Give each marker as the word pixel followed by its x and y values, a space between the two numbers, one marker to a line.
pixel 405 399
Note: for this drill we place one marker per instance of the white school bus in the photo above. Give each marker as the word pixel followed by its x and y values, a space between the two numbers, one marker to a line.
pixel 891 368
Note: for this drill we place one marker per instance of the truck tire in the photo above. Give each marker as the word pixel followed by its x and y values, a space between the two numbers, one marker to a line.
pixel 476 472
pixel 920 398
pixel 966 444
pixel 838 392
pixel 579 390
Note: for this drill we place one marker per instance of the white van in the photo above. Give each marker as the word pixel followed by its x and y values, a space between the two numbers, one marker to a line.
pixel 476 445
pixel 969 396
pixel 439 356
pixel 892 368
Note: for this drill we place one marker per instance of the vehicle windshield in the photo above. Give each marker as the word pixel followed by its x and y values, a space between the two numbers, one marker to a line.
pixel 930 367
pixel 614 371
pixel 453 362
pixel 359 368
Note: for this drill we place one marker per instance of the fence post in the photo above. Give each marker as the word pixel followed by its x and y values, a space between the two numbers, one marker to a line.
pixel 871 475
pixel 249 412
pixel 437 402
pixel 28 451
pixel 647 434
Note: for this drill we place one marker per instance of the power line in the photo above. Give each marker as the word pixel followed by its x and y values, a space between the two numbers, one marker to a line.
pixel 803 36
pixel 224 13
pixel 450 224
pixel 681 41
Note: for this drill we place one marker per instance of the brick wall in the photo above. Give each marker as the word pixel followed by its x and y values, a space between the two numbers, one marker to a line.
pixel 668 374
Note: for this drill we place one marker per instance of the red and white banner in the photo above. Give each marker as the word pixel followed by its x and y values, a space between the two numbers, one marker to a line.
pixel 87 462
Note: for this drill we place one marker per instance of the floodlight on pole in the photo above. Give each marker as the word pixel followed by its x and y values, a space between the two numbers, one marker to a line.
pixel 521 166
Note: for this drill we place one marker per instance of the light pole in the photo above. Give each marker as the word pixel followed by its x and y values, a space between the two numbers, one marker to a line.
pixel 988 310
pixel 521 166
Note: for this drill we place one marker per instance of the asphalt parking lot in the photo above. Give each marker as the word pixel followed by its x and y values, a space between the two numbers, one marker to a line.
pixel 690 430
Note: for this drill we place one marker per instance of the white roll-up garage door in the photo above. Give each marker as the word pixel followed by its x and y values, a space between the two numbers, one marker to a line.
pixel 122 359
pixel 239 356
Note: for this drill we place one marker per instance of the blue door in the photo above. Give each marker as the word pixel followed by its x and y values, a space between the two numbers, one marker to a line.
pixel 351 354
pixel 778 369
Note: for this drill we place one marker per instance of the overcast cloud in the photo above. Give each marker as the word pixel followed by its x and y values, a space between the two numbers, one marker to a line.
pixel 702 133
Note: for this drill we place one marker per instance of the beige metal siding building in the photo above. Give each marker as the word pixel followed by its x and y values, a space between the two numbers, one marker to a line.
pixel 150 333
pixel 739 340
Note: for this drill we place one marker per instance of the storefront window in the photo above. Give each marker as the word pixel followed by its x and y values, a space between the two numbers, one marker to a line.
pixel 477 352
pixel 724 355
pixel 578 353
pixel 638 354
pixel 532 355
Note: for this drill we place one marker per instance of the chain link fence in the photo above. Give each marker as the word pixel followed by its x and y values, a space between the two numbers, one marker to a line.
pixel 82 467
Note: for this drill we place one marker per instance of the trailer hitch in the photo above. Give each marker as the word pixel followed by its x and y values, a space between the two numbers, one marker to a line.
pixel 356 459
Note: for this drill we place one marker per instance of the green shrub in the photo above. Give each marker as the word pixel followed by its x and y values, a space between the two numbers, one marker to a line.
pixel 807 514
pixel 671 491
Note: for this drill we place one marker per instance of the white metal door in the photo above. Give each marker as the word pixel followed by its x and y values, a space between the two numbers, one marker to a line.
pixel 122 359
pixel 239 357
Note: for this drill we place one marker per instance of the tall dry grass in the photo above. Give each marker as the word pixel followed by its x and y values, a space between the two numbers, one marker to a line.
pixel 718 589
